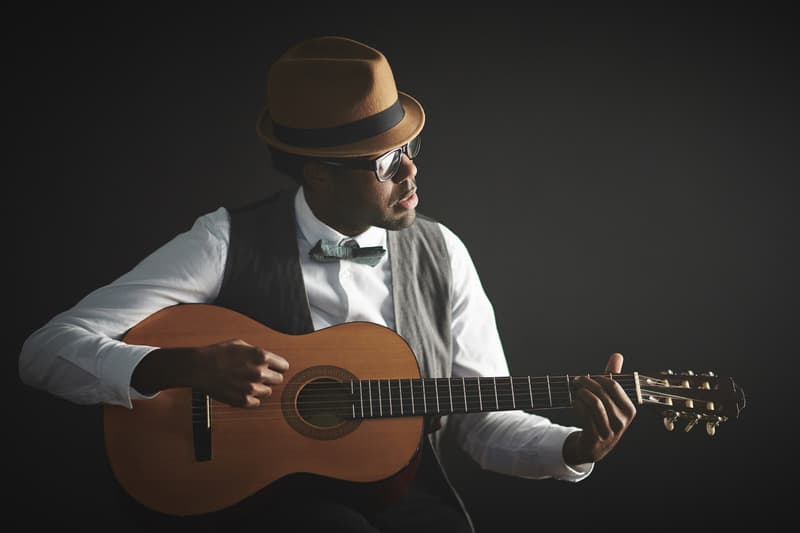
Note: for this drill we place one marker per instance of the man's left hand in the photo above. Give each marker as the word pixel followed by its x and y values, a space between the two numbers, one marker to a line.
pixel 605 411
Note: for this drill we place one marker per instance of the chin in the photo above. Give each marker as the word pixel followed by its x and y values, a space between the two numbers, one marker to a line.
pixel 400 223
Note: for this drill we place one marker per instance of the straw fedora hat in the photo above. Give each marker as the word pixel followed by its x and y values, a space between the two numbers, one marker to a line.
pixel 335 97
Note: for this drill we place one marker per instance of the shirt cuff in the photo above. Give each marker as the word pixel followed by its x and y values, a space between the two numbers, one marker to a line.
pixel 553 453
pixel 117 370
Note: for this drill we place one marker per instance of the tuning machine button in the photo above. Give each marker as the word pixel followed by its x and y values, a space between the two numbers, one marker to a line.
pixel 669 421
pixel 711 424
pixel 692 423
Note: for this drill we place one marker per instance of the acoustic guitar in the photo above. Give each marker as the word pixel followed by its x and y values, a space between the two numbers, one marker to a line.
pixel 350 408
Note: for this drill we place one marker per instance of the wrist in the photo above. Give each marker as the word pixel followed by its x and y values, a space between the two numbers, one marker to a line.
pixel 164 368
pixel 571 450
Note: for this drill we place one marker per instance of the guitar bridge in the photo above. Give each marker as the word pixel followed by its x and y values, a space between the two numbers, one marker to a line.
pixel 201 425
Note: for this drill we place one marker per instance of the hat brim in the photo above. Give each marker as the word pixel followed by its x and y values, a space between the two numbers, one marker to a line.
pixel 408 128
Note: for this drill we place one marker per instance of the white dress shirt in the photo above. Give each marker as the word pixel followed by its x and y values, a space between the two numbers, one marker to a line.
pixel 77 354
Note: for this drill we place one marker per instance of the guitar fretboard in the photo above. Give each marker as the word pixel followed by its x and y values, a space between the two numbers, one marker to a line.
pixel 377 398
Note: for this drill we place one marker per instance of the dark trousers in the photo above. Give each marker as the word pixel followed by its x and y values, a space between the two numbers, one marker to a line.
pixel 428 506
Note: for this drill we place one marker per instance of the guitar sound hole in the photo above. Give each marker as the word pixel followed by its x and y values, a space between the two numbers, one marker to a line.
pixel 324 403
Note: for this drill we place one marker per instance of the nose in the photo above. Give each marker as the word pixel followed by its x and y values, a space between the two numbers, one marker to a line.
pixel 407 170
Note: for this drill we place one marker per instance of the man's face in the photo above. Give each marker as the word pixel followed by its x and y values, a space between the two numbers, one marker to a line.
pixel 353 199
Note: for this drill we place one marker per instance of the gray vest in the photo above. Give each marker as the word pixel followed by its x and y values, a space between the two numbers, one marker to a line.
pixel 264 281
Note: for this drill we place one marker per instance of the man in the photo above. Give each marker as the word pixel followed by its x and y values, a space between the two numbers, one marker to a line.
pixel 316 257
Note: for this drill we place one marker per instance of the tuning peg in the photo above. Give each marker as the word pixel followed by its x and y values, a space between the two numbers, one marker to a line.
pixel 693 422
pixel 711 424
pixel 690 373
pixel 669 421
pixel 709 374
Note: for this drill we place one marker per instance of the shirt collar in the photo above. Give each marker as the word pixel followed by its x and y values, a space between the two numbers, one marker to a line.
pixel 313 229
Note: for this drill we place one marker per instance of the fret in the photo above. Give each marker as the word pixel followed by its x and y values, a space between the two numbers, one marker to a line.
pixel 488 394
pixel 549 391
pixel 391 400
pixel 496 400
pixel 480 396
pixel 472 400
pixel 522 392
pixel 450 393
pixel 419 397
pixel 569 391
pixel 369 390
pixel 457 392
pixel 431 395
pixel 513 398
pixel 530 390
pixel 436 390
pixel 400 390
pixel 411 394
pixel 424 398
pixel 352 395
pixel 361 396
pixel 505 396
pixel 464 385
pixel 380 399
pixel 386 398
pixel 445 392
pixel 407 390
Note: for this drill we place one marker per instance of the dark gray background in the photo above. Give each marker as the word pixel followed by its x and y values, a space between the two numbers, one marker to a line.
pixel 624 179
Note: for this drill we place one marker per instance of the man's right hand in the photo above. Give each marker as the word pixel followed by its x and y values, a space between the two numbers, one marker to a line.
pixel 238 373
pixel 233 372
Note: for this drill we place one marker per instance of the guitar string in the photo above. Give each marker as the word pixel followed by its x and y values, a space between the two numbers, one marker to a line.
pixel 519 387
pixel 243 414
pixel 519 384
pixel 321 397
pixel 249 414
pixel 321 401
pixel 317 398
pixel 294 416
pixel 268 411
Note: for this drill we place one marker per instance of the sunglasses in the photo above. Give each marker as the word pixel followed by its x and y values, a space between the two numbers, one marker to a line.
pixel 385 166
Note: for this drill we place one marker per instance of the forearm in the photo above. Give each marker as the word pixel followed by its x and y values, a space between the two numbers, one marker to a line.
pixel 519 444
pixel 165 368
pixel 77 365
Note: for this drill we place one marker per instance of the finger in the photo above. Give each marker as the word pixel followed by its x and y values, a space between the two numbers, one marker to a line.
pixel 618 395
pixel 256 394
pixel 265 357
pixel 260 391
pixel 596 412
pixel 614 364
pixel 240 397
pixel 612 412
pixel 270 377
pixel 277 362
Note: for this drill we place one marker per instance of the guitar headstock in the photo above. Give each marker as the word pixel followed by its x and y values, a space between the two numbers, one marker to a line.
pixel 695 398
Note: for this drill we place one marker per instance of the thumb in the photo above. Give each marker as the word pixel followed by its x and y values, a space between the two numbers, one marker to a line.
pixel 614 365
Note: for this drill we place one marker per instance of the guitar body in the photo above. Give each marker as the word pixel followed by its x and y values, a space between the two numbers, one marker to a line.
pixel 152 450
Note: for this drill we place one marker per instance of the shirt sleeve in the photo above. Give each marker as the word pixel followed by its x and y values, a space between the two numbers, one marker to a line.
pixel 509 442
pixel 78 356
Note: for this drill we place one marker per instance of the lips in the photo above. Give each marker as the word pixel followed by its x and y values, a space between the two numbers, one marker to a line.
pixel 408 195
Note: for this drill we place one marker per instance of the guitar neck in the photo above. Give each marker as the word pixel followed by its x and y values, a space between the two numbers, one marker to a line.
pixel 381 398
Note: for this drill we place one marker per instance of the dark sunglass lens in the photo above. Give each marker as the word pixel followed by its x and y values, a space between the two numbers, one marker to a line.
pixel 414 146
pixel 388 165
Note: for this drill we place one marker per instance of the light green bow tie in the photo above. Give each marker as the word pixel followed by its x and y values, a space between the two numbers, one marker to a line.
pixel 329 251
